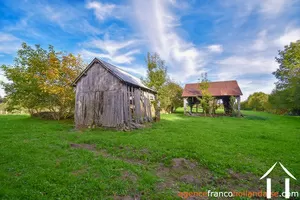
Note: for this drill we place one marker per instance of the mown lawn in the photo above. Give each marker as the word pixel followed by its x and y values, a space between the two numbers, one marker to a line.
pixel 42 159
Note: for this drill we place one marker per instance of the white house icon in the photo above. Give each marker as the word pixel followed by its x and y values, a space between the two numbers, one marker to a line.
pixel 287 181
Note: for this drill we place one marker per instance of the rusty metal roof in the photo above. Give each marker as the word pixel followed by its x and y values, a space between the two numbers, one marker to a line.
pixel 220 88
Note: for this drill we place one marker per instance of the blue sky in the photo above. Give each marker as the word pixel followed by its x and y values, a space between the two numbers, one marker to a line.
pixel 227 39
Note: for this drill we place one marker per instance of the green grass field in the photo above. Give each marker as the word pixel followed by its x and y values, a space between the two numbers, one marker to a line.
pixel 42 159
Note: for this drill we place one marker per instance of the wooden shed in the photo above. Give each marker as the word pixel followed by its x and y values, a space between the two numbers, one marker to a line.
pixel 107 96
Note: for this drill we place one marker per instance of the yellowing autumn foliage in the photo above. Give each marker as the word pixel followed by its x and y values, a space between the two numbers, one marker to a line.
pixel 40 80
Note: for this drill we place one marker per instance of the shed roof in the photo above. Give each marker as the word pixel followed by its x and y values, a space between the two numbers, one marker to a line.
pixel 117 72
pixel 220 88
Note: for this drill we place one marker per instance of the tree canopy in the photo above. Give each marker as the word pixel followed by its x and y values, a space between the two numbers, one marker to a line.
pixel 257 101
pixel 169 92
pixel 156 72
pixel 286 95
pixel 171 96
pixel 41 80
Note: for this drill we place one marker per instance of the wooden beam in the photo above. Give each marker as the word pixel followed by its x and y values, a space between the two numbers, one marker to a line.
pixel 239 105
pixel 184 104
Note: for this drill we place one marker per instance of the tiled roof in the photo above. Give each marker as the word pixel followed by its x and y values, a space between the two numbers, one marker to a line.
pixel 220 88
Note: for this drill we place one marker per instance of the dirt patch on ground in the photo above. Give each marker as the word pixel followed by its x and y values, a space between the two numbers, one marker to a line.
pixel 90 147
pixel 136 197
pixel 79 172
pixel 182 163
pixel 189 179
pixel 236 181
pixel 190 172
pixel 134 161
pixel 129 176
pixel 183 170
pixel 104 153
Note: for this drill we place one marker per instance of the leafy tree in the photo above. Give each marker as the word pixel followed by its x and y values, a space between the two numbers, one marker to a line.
pixel 171 96
pixel 156 72
pixel 286 95
pixel 2 105
pixel 41 80
pixel 156 78
pixel 206 100
pixel 257 101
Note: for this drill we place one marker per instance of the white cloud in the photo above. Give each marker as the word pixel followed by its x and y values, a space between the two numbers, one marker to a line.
pixel 9 43
pixel 290 35
pixel 267 9
pixel 101 10
pixel 234 66
pixel 89 55
pixel 273 7
pixel 216 48
pixel 110 46
pixel 261 43
pixel 126 65
pixel 249 86
pixel 69 18
pixel 119 52
pixel 157 25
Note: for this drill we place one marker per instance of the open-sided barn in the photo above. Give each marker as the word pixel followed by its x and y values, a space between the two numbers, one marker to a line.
pixel 219 90
pixel 110 97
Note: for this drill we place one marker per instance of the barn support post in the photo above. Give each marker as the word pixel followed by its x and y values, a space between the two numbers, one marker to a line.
pixel 184 104
pixel 239 105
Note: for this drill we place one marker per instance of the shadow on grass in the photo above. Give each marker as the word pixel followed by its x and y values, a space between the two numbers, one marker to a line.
pixel 254 117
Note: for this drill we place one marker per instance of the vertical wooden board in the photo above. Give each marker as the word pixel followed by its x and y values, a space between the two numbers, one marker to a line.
pixel 83 109
pixel 125 105
pixel 78 105
pixel 129 105
pixel 144 112
pixel 137 105
pixel 90 105
pixel 106 109
pixel 148 106
pixel 78 111
pixel 116 106
pixel 112 119
pixel 132 104
pixel 148 109
pixel 98 108
pixel 140 106
pixel 120 107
